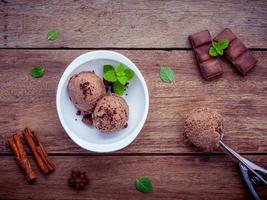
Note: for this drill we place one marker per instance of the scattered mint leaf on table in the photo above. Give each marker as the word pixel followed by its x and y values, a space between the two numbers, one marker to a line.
pixel 37 72
pixel 52 34
pixel 143 184
pixel 218 47
pixel 119 77
pixel 166 74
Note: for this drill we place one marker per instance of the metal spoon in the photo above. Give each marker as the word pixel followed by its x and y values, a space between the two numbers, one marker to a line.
pixel 247 168
pixel 237 157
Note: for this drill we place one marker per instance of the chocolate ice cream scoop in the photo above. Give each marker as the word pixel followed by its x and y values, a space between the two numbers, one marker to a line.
pixel 84 90
pixel 111 113
pixel 204 128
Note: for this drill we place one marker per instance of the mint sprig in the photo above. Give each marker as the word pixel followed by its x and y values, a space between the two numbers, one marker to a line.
pixel 143 184
pixel 119 77
pixel 218 47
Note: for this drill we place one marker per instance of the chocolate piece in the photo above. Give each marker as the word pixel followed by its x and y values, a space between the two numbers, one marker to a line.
pixel 235 49
pixel 237 53
pixel 200 38
pixel 202 53
pixel 209 66
pixel 87 119
pixel 245 62
pixel 225 34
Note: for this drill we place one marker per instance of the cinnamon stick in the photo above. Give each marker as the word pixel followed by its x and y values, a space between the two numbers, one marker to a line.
pixel 38 150
pixel 21 157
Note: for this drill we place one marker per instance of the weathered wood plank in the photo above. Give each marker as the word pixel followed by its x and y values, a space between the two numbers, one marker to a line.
pixel 181 177
pixel 128 24
pixel 25 101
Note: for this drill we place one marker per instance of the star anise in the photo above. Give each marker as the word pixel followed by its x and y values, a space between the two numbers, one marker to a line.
pixel 78 180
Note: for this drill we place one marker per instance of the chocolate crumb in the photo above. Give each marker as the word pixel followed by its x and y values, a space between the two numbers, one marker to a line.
pixel 87 119
pixel 85 87
pixel 78 112
pixel 107 83
pixel 126 125
pixel 107 89
pixel 112 90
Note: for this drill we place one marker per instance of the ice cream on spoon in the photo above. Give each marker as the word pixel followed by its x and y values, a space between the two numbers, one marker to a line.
pixel 204 128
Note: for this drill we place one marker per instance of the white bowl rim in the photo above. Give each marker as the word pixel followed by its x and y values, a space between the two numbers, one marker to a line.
pixel 93 55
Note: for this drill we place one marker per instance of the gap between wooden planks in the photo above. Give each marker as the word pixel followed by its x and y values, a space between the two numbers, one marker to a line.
pixel 25 101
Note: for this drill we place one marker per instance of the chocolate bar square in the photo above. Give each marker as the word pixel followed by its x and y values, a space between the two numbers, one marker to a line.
pixel 225 34
pixel 245 62
pixel 211 68
pixel 235 49
pixel 202 53
pixel 237 53
pixel 200 38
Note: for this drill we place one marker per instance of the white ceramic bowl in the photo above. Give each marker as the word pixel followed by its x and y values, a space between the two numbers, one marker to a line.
pixel 89 137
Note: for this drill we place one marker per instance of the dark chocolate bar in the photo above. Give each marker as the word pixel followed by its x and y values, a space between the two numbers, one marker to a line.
pixel 209 66
pixel 237 53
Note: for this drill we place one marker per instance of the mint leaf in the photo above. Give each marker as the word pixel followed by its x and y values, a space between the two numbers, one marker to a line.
pixel 109 73
pixel 108 68
pixel 129 74
pixel 122 79
pixel 124 74
pixel 223 43
pixel 118 88
pixel 37 72
pixel 143 184
pixel 213 52
pixel 52 34
pixel 216 46
pixel 120 70
pixel 166 74
pixel 219 51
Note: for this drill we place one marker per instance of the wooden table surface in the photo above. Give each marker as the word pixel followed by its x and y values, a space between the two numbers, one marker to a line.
pixel 151 34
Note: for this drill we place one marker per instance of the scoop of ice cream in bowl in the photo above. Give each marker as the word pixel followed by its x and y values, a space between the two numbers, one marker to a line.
pixel 98 115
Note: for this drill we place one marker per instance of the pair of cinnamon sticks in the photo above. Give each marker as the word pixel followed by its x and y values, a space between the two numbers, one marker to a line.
pixel 38 150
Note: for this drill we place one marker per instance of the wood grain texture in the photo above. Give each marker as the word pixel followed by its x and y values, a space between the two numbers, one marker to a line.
pixel 25 101
pixel 128 24
pixel 112 177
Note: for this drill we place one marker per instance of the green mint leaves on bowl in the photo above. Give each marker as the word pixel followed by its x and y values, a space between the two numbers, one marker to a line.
pixel 166 74
pixel 218 47
pixel 52 34
pixel 37 72
pixel 143 184
pixel 119 77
